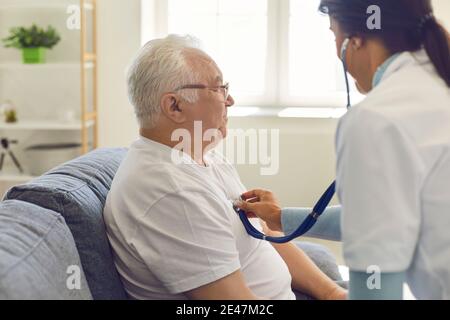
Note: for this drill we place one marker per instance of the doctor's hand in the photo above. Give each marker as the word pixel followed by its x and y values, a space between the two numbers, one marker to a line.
pixel 262 204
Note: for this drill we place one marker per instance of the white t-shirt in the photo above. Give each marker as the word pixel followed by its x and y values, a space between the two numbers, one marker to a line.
pixel 172 227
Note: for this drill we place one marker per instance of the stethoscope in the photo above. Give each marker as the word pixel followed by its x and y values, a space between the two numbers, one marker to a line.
pixel 323 202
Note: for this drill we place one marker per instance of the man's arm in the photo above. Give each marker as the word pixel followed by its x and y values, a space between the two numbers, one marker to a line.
pixel 306 276
pixel 231 287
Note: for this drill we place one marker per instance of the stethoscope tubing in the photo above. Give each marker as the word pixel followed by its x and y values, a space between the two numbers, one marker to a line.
pixel 323 202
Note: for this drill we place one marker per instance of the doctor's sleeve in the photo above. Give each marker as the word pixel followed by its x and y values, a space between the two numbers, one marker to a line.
pixel 378 184
pixel 327 227
pixel 389 286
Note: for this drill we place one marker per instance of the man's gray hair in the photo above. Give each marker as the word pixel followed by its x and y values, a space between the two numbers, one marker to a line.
pixel 160 66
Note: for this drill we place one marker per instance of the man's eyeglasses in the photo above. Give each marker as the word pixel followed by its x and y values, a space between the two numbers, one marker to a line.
pixel 223 88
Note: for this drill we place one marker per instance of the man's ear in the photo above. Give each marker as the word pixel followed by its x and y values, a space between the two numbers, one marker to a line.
pixel 172 108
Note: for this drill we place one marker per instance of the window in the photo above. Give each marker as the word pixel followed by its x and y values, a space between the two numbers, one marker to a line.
pixel 274 53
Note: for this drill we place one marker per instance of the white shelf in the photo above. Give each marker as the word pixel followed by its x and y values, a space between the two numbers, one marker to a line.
pixel 44 125
pixel 44 66
pixel 49 6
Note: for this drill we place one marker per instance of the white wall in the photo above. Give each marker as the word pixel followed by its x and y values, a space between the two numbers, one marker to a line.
pixel 119 36
pixel 442 11
pixel 306 158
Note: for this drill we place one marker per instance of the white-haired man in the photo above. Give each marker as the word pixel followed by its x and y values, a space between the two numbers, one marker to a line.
pixel 170 223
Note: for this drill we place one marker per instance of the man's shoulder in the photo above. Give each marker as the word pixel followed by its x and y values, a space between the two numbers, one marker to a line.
pixel 158 176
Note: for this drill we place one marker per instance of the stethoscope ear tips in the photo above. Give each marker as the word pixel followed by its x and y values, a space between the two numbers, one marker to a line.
pixel 344 49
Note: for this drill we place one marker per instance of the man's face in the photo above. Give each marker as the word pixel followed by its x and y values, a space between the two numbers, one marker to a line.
pixel 211 107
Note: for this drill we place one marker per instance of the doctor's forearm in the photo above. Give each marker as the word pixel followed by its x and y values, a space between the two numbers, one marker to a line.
pixel 328 226
pixel 369 286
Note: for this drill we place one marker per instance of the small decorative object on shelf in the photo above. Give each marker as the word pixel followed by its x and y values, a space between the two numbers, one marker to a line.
pixel 33 42
pixel 5 143
pixel 9 111
pixel 10 116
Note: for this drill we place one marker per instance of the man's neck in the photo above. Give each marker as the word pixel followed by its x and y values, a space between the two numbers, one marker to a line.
pixel 165 138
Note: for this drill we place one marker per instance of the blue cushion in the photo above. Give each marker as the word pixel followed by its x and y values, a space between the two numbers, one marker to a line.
pixel 324 260
pixel 77 190
pixel 322 257
pixel 36 250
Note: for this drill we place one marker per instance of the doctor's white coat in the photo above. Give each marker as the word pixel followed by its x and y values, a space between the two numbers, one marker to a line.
pixel 393 177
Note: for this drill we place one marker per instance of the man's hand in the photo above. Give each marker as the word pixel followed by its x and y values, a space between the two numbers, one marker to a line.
pixel 262 204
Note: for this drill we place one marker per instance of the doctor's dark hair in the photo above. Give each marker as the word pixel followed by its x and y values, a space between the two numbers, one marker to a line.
pixel 406 25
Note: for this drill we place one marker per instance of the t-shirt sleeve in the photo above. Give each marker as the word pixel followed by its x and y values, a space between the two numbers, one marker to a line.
pixel 186 241
pixel 378 184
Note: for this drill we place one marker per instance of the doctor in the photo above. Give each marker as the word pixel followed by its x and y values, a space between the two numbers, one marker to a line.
pixel 393 153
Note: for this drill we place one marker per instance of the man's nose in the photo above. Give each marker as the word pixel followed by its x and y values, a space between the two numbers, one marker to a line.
pixel 230 101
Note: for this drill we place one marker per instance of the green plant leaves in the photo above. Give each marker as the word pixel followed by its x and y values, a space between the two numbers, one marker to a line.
pixel 32 37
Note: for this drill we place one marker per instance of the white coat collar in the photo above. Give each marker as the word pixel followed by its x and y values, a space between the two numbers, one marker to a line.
pixel 406 58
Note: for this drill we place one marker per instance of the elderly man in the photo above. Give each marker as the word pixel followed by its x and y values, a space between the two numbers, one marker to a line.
pixel 170 223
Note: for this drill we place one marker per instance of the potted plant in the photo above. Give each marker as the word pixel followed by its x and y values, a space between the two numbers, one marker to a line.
pixel 9 111
pixel 33 42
